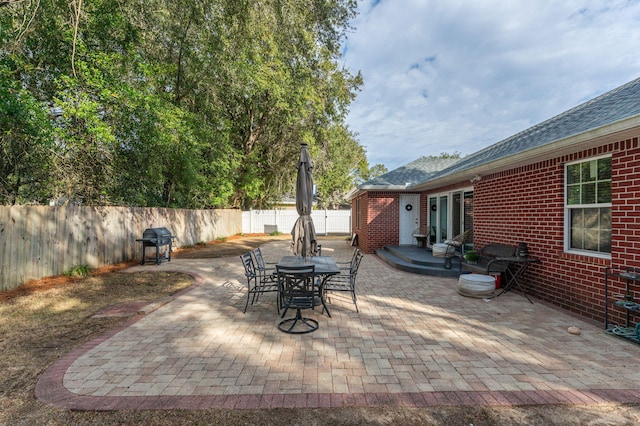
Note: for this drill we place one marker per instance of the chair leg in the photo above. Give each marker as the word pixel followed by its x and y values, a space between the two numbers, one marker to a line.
pixel 324 307
pixel 447 263
pixel 247 303
pixel 353 298
pixel 321 293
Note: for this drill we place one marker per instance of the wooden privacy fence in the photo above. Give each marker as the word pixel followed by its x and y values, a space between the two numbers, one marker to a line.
pixel 41 241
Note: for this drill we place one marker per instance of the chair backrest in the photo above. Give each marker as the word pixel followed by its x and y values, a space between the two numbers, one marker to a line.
pixel 421 231
pixel 249 267
pixel 461 239
pixel 466 237
pixel 296 286
pixel 257 254
pixel 490 252
pixel 353 256
pixel 497 250
pixel 355 263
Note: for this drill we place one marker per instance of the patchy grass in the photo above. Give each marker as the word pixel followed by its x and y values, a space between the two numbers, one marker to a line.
pixel 46 319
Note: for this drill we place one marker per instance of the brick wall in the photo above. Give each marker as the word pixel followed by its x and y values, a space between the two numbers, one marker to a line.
pixel 362 229
pixel 380 223
pixel 626 204
pixel 383 219
pixel 526 204
pixel 424 209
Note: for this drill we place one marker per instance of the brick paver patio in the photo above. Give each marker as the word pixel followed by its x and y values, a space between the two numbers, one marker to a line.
pixel 415 342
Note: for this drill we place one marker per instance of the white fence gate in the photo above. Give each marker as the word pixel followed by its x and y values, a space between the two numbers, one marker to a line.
pixel 267 221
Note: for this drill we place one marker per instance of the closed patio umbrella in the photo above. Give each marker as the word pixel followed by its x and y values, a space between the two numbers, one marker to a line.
pixel 303 233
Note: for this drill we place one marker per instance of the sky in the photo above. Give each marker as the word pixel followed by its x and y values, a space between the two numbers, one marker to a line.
pixel 459 75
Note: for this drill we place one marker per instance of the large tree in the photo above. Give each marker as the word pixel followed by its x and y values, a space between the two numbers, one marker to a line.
pixel 185 103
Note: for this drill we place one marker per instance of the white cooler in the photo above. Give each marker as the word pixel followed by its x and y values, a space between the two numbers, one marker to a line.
pixel 476 285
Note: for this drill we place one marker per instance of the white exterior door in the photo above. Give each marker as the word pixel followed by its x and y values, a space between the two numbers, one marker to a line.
pixel 409 217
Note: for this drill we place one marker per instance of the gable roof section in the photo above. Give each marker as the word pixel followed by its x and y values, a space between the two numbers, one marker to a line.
pixel 612 112
pixel 410 174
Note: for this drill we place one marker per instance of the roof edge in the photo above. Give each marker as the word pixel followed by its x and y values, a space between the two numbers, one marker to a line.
pixel 612 132
pixel 377 188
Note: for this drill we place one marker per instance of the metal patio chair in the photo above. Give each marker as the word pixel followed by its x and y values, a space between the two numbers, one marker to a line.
pixel 255 285
pixel 347 265
pixel 297 291
pixel 455 247
pixel 266 272
pixel 421 234
pixel 346 282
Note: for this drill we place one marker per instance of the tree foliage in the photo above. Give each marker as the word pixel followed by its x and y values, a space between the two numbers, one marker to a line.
pixel 182 103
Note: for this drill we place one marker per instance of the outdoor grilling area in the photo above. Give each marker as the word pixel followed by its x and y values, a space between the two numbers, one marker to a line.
pixel 159 238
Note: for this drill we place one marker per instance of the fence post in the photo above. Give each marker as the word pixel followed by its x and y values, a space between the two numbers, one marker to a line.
pixel 326 228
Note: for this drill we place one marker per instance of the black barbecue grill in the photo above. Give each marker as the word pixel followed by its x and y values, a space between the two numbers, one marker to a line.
pixel 158 238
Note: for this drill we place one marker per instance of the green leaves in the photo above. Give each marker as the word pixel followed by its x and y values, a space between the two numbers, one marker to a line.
pixel 183 103
pixel 25 130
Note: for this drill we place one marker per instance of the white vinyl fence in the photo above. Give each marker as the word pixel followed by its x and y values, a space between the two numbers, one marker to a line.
pixel 268 221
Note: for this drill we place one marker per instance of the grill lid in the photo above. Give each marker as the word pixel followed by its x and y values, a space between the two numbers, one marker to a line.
pixel 157 235
pixel 156 232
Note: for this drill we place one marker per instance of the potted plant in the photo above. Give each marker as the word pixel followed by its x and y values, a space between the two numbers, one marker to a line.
pixel 472 256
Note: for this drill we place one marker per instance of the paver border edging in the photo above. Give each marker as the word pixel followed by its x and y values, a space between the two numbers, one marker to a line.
pixel 50 389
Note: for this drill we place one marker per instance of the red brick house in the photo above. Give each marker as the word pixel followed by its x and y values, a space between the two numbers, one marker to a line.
pixel 569 187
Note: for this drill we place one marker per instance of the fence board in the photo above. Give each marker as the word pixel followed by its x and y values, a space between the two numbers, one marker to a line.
pixel 40 241
pixel 9 253
pixel 325 221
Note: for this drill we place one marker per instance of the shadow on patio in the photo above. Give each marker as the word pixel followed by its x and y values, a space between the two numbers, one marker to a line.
pixel 415 342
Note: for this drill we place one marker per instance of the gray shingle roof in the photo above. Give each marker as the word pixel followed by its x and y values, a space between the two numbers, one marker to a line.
pixel 618 104
pixel 414 172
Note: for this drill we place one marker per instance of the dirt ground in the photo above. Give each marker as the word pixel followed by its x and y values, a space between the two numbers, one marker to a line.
pixel 46 319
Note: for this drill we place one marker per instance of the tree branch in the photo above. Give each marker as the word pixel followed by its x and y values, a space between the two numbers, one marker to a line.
pixel 77 5
pixel 8 2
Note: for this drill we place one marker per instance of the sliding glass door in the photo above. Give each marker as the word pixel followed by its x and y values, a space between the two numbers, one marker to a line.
pixel 450 214
pixel 438 218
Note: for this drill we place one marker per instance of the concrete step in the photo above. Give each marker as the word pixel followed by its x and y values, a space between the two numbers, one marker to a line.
pixel 417 261
pixel 415 255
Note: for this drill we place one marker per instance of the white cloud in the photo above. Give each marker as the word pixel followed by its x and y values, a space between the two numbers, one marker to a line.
pixel 445 76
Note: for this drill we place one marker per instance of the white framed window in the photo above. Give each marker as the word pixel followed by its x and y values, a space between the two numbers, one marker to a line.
pixel 588 207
